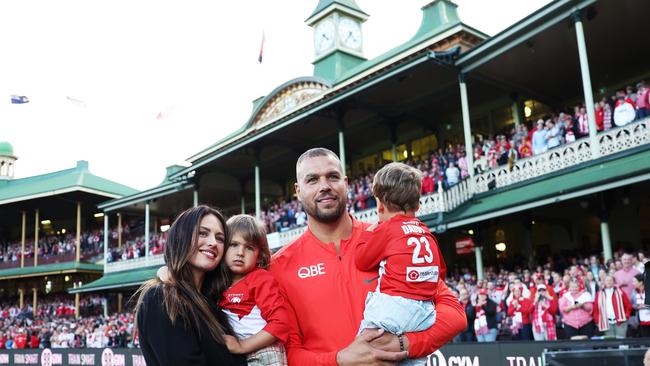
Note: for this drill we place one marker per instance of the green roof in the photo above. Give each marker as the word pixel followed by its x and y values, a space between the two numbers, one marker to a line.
pixel 50 269
pixel 78 178
pixel 324 4
pixel 6 148
pixel 120 279
pixel 592 174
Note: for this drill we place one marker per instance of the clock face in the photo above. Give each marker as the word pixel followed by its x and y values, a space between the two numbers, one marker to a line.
pixel 324 36
pixel 350 33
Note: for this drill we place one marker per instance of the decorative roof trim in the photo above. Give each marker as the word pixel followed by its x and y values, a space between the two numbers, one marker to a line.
pixel 60 191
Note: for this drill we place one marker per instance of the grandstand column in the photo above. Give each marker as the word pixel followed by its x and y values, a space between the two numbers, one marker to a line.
pixel 36 238
pixel 607 242
pixel 258 189
pixel 146 229
pixel 586 84
pixel 76 305
pixel 466 127
pixel 119 302
pixel 243 205
pixel 195 195
pixel 119 230
pixel 34 299
pixel 479 262
pixel 22 240
pixel 516 110
pixel 342 145
pixel 106 239
pixel 393 141
pixel 21 297
pixel 78 231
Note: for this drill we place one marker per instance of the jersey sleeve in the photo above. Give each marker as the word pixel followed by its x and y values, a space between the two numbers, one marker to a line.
pixel 371 248
pixel 273 305
pixel 450 320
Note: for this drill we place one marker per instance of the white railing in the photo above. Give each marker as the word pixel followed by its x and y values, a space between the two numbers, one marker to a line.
pixel 142 262
pixel 611 142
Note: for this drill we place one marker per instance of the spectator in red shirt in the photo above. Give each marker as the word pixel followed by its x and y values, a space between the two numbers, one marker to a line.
pixel 642 100
pixel 20 340
pixel 600 117
pixel 519 309
pixel 428 185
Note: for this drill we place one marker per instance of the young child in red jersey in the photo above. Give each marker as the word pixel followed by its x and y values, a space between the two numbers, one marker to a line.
pixel 409 260
pixel 255 308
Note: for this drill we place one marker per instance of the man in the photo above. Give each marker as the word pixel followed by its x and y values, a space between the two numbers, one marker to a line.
pixel 625 275
pixel 327 292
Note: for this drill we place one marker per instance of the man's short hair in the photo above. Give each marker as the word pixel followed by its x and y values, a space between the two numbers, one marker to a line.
pixel 313 153
pixel 398 186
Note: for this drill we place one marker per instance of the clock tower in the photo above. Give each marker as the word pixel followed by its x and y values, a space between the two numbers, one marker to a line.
pixel 338 39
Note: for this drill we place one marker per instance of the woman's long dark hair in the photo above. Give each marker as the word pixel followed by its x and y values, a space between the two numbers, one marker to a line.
pixel 181 298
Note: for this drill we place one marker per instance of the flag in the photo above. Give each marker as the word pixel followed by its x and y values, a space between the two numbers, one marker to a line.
pixel 19 99
pixel 259 58
pixel 76 102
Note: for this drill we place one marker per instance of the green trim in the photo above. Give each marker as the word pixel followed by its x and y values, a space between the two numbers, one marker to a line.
pixel 50 269
pixel 595 173
pixel 117 280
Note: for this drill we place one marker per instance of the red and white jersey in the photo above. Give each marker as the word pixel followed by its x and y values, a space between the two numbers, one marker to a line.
pixel 410 262
pixel 254 304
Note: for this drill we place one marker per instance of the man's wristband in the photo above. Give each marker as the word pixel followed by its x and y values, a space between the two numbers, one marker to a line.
pixel 401 342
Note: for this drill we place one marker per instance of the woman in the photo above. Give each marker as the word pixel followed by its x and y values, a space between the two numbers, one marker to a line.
pixel 612 309
pixel 484 313
pixel 177 322
pixel 638 303
pixel 544 310
pixel 576 306
pixel 520 309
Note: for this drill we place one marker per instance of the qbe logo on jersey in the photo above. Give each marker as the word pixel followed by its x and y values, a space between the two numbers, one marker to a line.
pixel 422 274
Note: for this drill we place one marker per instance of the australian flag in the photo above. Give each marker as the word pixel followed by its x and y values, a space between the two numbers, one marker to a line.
pixel 19 99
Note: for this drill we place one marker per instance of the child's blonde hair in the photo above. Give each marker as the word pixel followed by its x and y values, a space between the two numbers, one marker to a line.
pixel 253 231
pixel 398 187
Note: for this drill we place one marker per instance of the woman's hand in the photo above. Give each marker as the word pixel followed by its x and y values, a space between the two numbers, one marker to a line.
pixel 233 345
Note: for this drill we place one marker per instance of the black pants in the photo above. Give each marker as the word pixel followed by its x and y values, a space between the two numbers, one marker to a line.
pixel 644 331
pixel 525 333
pixel 586 330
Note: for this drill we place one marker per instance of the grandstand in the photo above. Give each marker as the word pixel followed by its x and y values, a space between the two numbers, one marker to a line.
pixel 448 88
pixel 50 231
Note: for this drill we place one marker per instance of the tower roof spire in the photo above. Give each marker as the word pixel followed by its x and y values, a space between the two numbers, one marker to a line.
pixel 325 6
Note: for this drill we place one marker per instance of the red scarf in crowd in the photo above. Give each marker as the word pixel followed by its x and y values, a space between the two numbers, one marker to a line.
pixel 480 322
pixel 600 312
pixel 542 318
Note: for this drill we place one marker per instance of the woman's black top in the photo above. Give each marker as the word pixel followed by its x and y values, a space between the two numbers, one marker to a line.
pixel 165 344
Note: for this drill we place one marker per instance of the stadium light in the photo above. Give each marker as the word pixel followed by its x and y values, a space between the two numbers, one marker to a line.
pixel 63 231
pixel 164 228
pixel 501 247
pixel 528 112
pixel 98 215
pixel 67 278
pixel 46 222
pixel 470 232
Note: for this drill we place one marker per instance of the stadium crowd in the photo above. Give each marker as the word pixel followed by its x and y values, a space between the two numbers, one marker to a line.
pixel 583 297
pixel 55 326
pixel 53 247
pixel 446 167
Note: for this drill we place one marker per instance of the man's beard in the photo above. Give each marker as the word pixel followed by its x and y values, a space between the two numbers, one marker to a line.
pixel 326 217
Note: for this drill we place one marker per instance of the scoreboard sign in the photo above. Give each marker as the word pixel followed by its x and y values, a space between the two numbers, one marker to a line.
pixel 465 246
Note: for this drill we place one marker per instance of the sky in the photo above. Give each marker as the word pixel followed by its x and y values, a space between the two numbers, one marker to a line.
pixel 136 86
